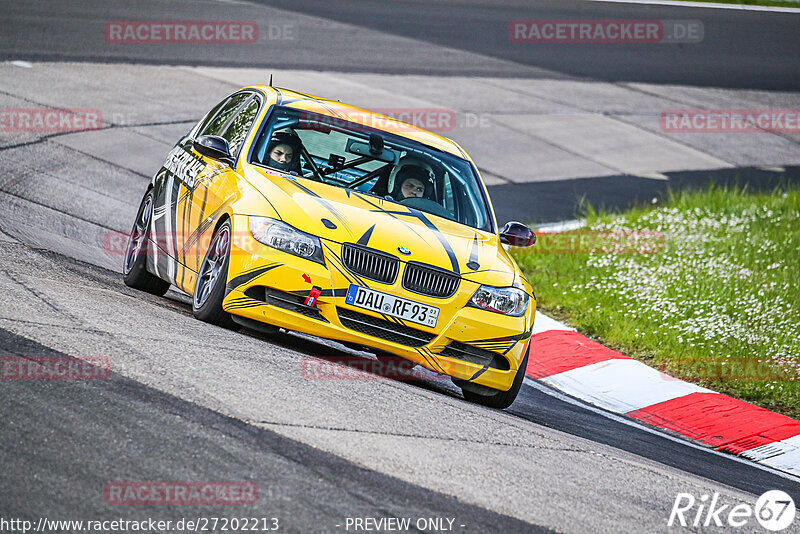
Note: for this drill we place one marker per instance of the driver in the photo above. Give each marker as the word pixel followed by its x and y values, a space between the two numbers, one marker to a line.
pixel 411 182
pixel 283 152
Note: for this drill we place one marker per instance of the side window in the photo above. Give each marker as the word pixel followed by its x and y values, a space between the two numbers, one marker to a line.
pixel 240 125
pixel 194 133
pixel 226 111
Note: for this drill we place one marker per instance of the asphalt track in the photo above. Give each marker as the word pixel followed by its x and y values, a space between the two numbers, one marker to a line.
pixel 192 402
pixel 739 48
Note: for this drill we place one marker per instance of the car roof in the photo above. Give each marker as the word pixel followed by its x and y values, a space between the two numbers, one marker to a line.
pixel 335 109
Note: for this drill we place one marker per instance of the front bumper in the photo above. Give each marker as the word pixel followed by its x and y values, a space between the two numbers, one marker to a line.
pixel 471 344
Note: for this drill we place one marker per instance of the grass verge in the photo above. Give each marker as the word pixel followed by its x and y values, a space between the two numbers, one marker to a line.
pixel 705 287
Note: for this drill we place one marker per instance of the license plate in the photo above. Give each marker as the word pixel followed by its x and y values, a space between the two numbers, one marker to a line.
pixel 387 304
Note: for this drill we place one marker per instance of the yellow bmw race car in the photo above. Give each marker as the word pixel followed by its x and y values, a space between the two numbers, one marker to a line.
pixel 281 209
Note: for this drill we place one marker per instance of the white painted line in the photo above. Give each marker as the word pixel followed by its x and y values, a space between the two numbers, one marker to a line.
pixel 537 385
pixel 23 64
pixel 773 169
pixel 621 386
pixel 651 175
pixel 543 323
pixel 775 448
pixel 788 461
pixel 707 5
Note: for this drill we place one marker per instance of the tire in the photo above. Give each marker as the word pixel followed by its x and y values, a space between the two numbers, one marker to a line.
pixel 501 399
pixel 210 288
pixel 134 265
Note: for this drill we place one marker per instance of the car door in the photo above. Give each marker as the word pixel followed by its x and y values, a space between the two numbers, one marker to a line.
pixel 174 182
pixel 199 207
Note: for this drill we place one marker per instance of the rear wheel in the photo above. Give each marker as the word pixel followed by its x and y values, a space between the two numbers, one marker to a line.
pixel 210 288
pixel 496 398
pixel 134 267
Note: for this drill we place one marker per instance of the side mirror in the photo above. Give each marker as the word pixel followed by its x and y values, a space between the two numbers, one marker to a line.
pixel 517 235
pixel 215 147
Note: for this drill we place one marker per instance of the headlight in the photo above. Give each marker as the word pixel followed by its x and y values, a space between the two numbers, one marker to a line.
pixel 506 300
pixel 281 236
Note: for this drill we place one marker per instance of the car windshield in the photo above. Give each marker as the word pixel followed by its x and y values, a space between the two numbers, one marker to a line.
pixel 372 161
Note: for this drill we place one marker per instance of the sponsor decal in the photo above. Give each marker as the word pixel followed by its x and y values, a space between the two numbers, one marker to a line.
pixel 185 165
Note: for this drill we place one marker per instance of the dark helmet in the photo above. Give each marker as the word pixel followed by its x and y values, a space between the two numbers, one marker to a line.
pixel 285 138
pixel 418 173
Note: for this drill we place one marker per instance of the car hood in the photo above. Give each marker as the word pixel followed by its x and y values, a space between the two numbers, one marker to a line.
pixel 342 215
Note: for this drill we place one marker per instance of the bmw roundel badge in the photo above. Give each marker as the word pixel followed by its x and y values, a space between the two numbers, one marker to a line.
pixel 404 251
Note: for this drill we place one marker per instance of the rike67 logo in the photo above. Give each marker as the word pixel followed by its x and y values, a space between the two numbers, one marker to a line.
pixel 774 511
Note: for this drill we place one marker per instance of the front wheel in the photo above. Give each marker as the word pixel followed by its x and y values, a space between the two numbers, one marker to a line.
pixel 134 267
pixel 210 288
pixel 500 399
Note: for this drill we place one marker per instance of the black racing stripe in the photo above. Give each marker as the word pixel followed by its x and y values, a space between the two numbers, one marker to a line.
pixel 479 373
pixel 422 218
pixel 364 239
pixel 446 244
pixel 204 225
pixel 244 306
pixel 334 258
pixel 248 276
pixel 510 347
pixel 516 337
pixel 495 348
pixel 435 359
pixel 393 214
pixel 431 359
pixel 324 202
pixel 421 353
